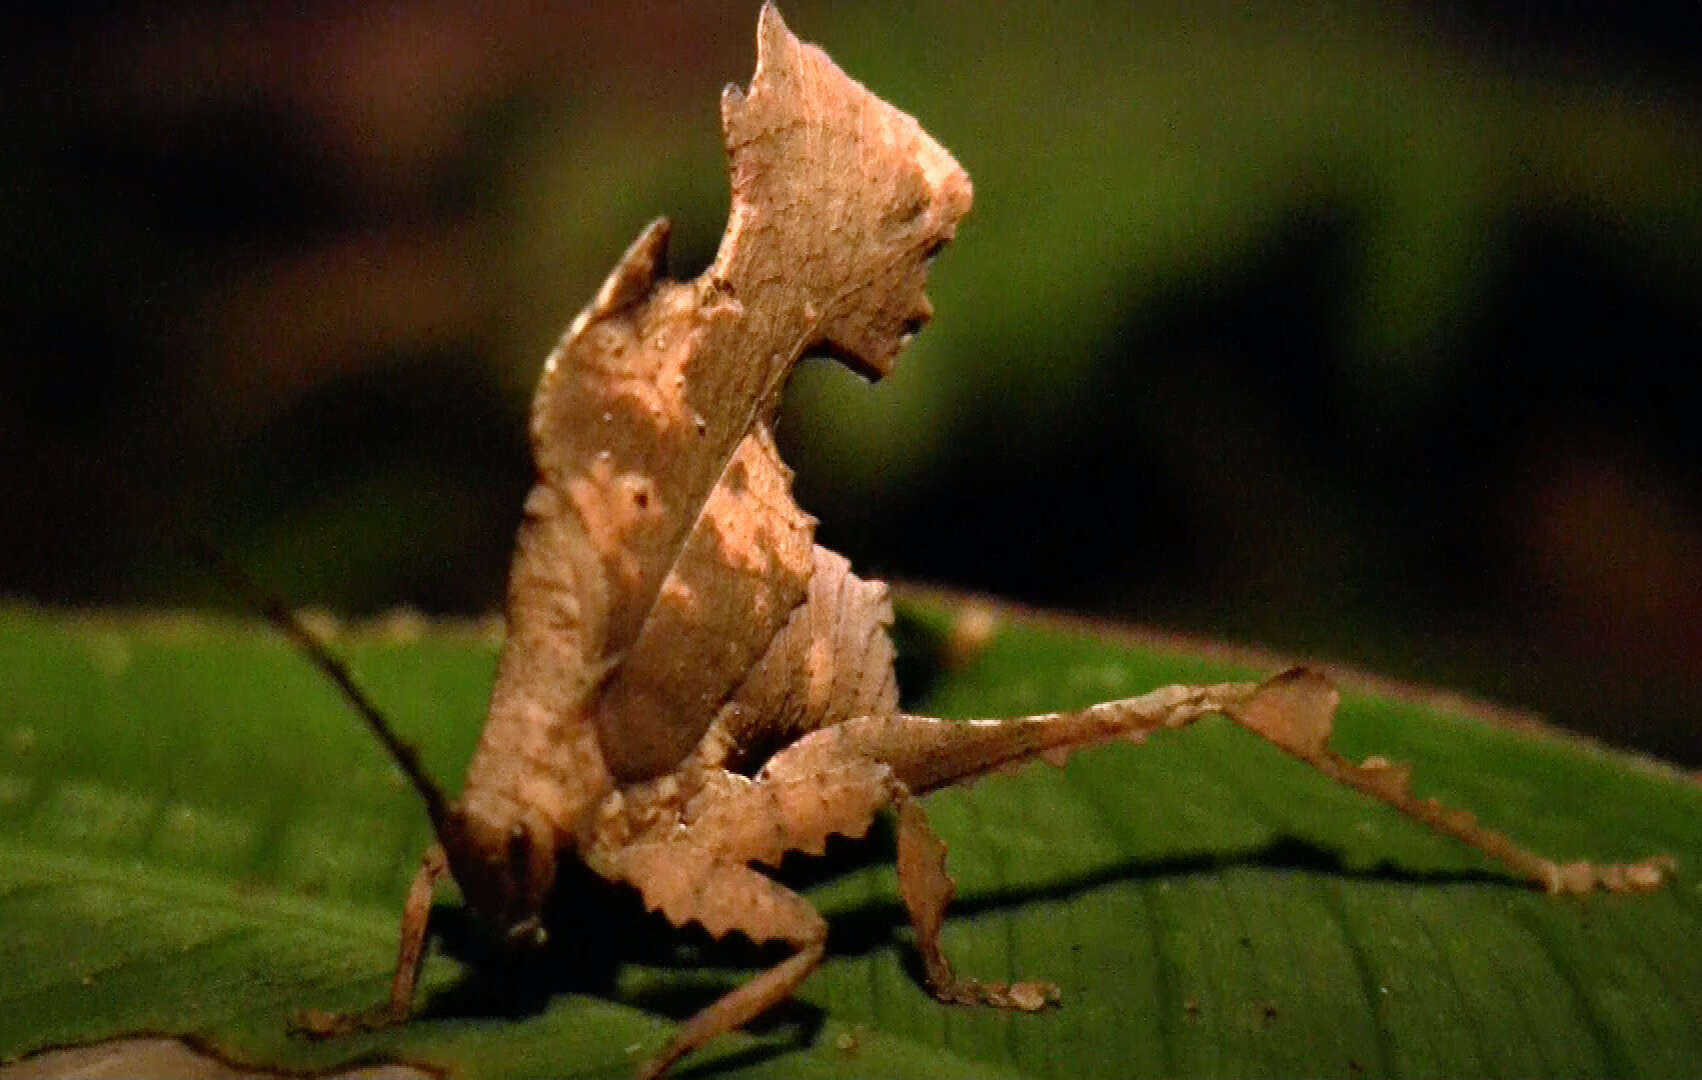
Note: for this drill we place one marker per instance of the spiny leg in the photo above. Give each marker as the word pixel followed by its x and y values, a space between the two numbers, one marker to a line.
pixel 741 1005
pixel 1295 710
pixel 416 915
pixel 687 882
pixel 699 873
pixel 835 779
pixel 857 788
pixel 915 753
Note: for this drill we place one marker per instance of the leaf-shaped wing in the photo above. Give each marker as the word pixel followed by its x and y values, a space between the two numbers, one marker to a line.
pixel 745 566
pixel 832 661
pixel 662 551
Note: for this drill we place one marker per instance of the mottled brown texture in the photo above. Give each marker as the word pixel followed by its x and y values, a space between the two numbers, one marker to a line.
pixel 690 688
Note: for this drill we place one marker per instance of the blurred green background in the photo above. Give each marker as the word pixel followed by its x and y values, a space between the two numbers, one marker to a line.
pixel 1365 331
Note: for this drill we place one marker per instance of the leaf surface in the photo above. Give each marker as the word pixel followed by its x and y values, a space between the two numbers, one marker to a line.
pixel 195 838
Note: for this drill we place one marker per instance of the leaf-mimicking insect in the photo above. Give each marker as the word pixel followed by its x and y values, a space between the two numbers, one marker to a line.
pixel 689 687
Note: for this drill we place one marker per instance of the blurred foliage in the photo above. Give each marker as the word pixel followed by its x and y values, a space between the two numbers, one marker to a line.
pixel 1365 329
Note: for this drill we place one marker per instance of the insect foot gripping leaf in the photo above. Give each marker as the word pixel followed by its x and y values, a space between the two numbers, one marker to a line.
pixel 689 686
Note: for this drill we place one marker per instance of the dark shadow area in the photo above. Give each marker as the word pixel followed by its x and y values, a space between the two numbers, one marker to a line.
pixel 427 473
pixel 1196 466
pixel 873 926
pixel 596 927
pixel 922 658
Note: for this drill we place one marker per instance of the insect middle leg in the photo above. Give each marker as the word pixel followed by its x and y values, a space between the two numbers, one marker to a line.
pixel 927 890
pixel 800 798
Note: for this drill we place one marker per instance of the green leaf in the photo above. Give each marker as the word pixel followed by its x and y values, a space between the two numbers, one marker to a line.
pixel 197 838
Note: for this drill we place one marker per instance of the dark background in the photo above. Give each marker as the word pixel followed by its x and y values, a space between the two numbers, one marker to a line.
pixel 1368 331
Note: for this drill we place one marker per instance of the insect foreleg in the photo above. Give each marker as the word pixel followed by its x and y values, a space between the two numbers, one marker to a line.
pixel 416 915
pixel 690 882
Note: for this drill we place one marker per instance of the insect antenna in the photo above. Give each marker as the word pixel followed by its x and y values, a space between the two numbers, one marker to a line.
pixel 267 603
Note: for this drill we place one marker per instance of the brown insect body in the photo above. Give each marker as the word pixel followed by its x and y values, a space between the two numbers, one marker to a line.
pixel 670 618
pixel 661 555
